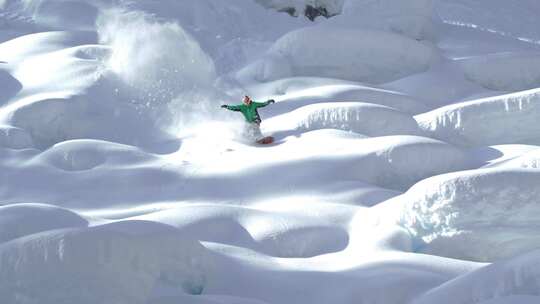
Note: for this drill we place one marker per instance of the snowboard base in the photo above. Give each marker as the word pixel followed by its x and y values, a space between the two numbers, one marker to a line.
pixel 266 140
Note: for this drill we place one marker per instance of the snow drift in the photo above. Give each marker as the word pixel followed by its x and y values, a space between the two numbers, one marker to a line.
pixel 363 118
pixel 14 138
pixel 392 162
pixel 299 236
pixel 505 119
pixel 494 17
pixel 530 160
pixel 300 91
pixel 363 55
pixel 92 118
pixel 116 263
pixel 505 72
pixel 84 154
pixel 511 281
pixel 414 18
pixel 463 215
pixel 20 220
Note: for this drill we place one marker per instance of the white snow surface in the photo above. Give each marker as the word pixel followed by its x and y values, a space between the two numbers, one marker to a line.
pixel 404 167
pixel 364 55
pixel 503 119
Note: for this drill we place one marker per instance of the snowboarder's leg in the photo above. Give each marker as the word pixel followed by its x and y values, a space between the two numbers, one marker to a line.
pixel 253 132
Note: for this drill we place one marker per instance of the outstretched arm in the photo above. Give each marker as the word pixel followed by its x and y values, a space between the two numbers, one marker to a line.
pixel 232 108
pixel 263 104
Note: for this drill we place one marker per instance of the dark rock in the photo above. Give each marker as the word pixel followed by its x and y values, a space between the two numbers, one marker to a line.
pixel 312 12
pixel 289 10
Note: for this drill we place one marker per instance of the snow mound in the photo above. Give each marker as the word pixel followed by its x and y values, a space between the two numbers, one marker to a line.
pixel 407 159
pixel 413 18
pixel 116 263
pixel 463 215
pixel 391 162
pixel 49 121
pixel 505 119
pixel 77 159
pixel 506 72
pixel 10 86
pixel 363 55
pixel 300 91
pixel 19 49
pixel 95 114
pixel 79 155
pixel 513 281
pixel 62 14
pixel 303 242
pixel 14 138
pixel 272 234
pixel 19 220
pixel 362 118
pixel 529 160
pixel 498 17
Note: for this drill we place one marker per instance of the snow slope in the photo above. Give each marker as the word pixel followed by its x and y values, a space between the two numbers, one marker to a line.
pixel 367 56
pixel 404 167
pixel 504 119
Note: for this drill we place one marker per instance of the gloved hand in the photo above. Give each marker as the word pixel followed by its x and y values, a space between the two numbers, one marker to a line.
pixel 271 101
pixel 224 106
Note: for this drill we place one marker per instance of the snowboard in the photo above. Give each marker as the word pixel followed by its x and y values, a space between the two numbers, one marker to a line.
pixel 266 140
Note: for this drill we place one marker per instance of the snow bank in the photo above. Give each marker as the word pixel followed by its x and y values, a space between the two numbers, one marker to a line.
pixel 54 14
pixel 392 162
pixel 50 121
pixel 62 14
pixel 80 155
pixel 406 160
pixel 274 234
pixel 363 55
pixel 71 69
pixel 498 17
pixel 300 91
pixel 505 119
pixel 20 220
pixel 80 98
pixel 10 86
pixel 504 72
pixel 413 18
pixel 22 48
pixel 363 118
pixel 304 242
pixel 464 215
pixel 14 138
pixel 512 281
pixel 529 160
pixel 117 263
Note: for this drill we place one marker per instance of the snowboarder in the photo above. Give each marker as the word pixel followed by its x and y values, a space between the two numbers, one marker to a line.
pixel 249 109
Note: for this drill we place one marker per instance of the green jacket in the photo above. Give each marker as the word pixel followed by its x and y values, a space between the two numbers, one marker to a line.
pixel 250 112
